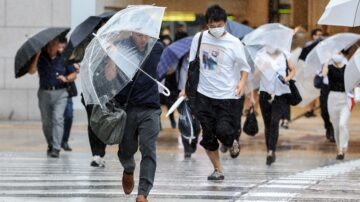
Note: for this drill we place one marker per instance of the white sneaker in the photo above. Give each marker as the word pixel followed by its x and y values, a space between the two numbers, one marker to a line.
pixel 96 162
pixel 102 162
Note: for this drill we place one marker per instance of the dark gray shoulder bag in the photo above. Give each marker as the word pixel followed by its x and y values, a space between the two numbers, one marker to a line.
pixel 109 123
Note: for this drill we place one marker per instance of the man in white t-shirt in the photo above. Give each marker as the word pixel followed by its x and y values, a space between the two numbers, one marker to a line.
pixel 223 74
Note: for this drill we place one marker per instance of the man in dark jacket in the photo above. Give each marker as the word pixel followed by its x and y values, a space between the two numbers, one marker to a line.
pixel 141 97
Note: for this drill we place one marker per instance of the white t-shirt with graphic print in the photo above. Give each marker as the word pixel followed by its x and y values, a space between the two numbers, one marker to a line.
pixel 221 61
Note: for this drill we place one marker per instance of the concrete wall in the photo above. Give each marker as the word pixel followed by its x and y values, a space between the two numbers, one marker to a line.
pixel 19 19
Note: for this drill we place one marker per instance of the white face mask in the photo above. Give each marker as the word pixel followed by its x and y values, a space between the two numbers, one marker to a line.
pixel 338 59
pixel 217 32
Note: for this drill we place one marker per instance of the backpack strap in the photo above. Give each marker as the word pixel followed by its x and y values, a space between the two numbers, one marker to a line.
pixel 287 65
pixel 199 44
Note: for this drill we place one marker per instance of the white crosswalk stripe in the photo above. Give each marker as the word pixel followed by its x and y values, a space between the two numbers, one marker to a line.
pixel 34 177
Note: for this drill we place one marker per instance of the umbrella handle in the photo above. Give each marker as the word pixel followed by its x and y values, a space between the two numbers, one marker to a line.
pixel 165 91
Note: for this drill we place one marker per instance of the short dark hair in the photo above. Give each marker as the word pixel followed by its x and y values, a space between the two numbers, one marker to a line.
pixel 215 13
pixel 346 51
pixel 314 31
pixel 62 39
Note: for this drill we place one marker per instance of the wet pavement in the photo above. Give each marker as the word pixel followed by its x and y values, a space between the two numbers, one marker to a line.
pixel 305 169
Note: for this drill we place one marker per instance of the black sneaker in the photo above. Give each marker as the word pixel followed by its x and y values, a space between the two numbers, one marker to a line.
pixel 97 162
pixel 309 114
pixel 55 153
pixel 66 146
pixel 340 157
pixel 216 176
pixel 270 158
pixel 285 124
pixel 187 155
pixel 330 134
pixel 48 151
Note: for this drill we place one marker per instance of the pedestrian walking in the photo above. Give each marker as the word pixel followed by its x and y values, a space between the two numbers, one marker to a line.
pixel 339 102
pixel 52 93
pixel 322 82
pixel 98 148
pixel 185 127
pixel 69 112
pixel 316 35
pixel 223 75
pixel 142 101
pixel 274 91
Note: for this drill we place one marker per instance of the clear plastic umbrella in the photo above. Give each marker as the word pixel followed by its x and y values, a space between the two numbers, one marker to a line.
pixel 304 84
pixel 323 52
pixel 118 51
pixel 341 13
pixel 352 72
pixel 274 35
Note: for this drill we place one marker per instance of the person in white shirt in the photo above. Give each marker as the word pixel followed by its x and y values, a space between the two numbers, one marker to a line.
pixel 277 71
pixel 223 74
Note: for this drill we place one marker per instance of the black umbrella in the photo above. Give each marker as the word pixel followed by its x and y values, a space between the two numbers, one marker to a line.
pixel 306 50
pixel 107 15
pixel 34 45
pixel 82 35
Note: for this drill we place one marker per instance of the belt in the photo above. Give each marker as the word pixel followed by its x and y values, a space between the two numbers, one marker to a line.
pixel 52 88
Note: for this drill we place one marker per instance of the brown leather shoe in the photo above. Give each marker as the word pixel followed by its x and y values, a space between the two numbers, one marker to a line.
pixel 128 183
pixel 141 198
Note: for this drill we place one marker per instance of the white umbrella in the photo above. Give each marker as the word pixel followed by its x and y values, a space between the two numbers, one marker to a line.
pixel 118 50
pixel 323 52
pixel 352 72
pixel 341 13
pixel 175 105
pixel 274 35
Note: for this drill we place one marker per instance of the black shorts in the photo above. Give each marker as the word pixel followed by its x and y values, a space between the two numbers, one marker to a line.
pixel 219 119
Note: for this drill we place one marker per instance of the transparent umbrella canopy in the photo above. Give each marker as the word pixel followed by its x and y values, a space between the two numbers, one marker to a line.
pixel 274 35
pixel 352 72
pixel 118 51
pixel 323 52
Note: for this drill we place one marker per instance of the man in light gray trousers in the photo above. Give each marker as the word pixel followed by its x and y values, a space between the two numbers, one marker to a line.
pixel 52 93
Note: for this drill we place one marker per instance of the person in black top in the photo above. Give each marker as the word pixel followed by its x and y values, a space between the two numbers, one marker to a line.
pixel 142 100
pixel 339 103
pixel 180 31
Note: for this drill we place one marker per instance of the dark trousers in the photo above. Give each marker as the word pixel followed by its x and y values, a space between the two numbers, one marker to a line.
pixel 68 120
pixel 287 113
pixel 272 112
pixel 142 129
pixel 324 94
pixel 190 146
pixel 238 114
pixel 96 145
pixel 219 119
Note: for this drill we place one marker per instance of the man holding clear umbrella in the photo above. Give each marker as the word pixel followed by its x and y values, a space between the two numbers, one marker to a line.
pixel 128 42
pixel 143 121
